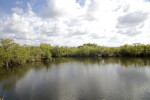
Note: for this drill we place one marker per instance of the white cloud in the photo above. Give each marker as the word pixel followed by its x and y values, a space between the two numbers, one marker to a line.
pixel 132 19
pixel 19 2
pixel 66 22
pixel 17 10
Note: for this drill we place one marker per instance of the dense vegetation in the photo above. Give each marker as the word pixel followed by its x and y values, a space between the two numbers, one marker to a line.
pixel 13 53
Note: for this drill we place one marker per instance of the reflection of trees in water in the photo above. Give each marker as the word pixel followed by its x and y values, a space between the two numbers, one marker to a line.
pixel 126 62
pixel 123 61
pixel 9 77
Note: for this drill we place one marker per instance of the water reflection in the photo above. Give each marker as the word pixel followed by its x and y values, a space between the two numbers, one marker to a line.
pixel 78 79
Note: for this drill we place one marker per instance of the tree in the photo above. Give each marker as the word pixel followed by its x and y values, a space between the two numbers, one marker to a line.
pixel 57 51
pixel 46 52
pixel 35 53
pixel 20 55
pixel 6 45
pixel 1 55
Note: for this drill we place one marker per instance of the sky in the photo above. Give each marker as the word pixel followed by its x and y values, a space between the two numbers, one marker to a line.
pixel 75 22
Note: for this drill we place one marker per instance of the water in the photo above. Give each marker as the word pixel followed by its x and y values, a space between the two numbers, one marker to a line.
pixel 78 79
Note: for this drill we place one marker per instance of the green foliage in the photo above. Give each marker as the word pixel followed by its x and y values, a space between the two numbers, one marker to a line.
pixel 57 51
pixel 7 45
pixel 90 45
pixel 1 55
pixel 19 55
pixel 13 53
pixel 34 53
pixel 46 52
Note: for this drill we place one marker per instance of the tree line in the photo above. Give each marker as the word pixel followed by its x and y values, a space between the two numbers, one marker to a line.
pixel 12 53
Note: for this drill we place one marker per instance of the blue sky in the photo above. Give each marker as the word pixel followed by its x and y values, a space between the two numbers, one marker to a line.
pixel 6 5
pixel 81 2
pixel 75 22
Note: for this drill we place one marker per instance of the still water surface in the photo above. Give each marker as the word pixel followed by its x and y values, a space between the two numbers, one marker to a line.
pixel 78 79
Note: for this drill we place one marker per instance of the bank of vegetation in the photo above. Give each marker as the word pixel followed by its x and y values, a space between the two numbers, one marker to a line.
pixel 12 53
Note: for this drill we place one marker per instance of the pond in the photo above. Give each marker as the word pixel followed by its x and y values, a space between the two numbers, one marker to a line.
pixel 78 79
